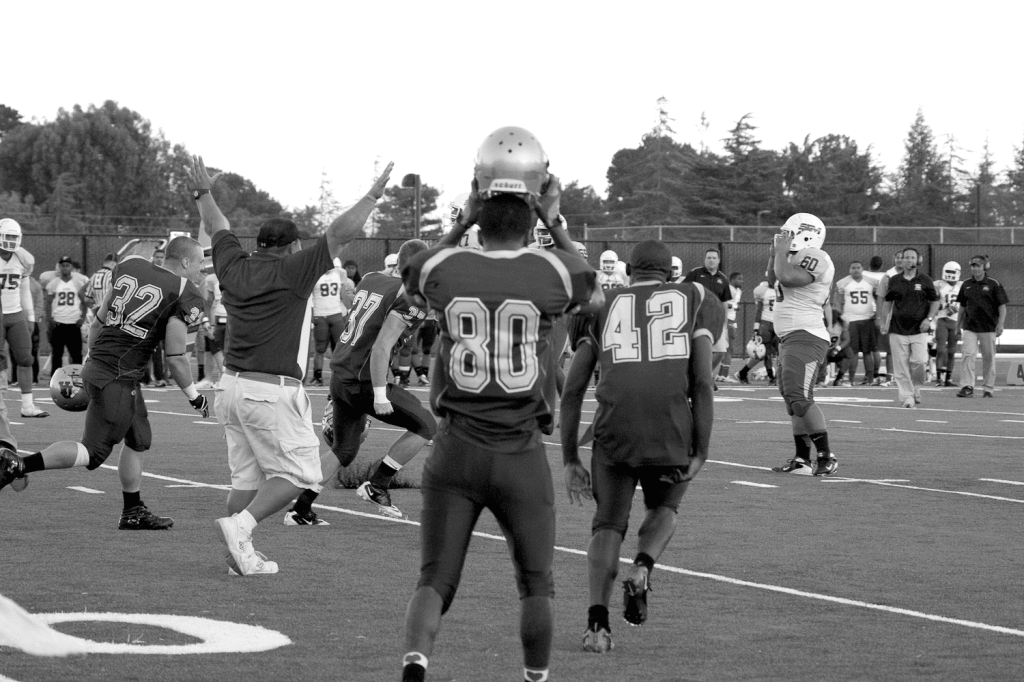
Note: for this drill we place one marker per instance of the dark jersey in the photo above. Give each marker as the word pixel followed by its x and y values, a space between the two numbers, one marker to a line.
pixel 980 301
pixel 495 310
pixel 267 298
pixel 717 284
pixel 377 297
pixel 142 299
pixel 911 299
pixel 642 337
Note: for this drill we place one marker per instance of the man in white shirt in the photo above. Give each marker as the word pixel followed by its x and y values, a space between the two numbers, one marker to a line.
pixel 67 310
pixel 855 300
pixel 736 289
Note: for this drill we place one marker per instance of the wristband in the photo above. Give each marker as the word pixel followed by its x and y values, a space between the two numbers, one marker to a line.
pixel 190 392
pixel 380 394
pixel 196 193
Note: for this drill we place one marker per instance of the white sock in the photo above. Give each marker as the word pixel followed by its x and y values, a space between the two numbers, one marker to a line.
pixel 533 675
pixel 82 458
pixel 392 463
pixel 26 399
pixel 246 521
pixel 414 657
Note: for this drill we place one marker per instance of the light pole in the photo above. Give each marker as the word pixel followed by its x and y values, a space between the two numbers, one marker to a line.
pixel 413 180
pixel 760 213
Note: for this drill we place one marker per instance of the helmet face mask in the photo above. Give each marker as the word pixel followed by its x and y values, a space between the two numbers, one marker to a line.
pixel 451 212
pixel 542 236
pixel 511 161
pixel 67 389
pixel 608 260
pixel 806 232
pixel 951 272
pixel 677 267
pixel 10 234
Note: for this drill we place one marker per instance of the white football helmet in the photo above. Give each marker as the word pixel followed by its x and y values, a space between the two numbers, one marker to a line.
pixel 608 261
pixel 951 272
pixel 542 235
pixel 582 249
pixel 391 261
pixel 10 234
pixel 755 348
pixel 511 160
pixel 806 231
pixel 471 239
pixel 451 212
pixel 677 267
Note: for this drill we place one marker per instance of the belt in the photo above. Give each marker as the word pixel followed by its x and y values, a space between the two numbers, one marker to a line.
pixel 276 379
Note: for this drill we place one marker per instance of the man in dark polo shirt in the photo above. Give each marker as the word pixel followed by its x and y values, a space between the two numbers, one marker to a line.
pixel 715 281
pixel 982 315
pixel 908 314
pixel 273 452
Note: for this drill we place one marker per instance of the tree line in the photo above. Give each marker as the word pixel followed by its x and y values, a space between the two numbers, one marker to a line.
pixel 104 167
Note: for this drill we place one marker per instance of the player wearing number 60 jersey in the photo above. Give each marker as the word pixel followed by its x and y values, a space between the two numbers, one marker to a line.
pixel 655 410
pixel 147 304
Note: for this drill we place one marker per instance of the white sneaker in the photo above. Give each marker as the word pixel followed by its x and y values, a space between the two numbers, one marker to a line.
pixel 730 380
pixel 32 411
pixel 243 559
pixel 909 402
pixel 204 385
pixel 235 574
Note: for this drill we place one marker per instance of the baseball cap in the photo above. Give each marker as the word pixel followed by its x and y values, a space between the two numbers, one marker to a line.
pixel 651 256
pixel 65 259
pixel 391 260
pixel 979 260
pixel 278 232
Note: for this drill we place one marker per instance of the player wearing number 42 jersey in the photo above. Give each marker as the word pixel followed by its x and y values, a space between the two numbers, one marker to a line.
pixel 655 409
pixel 147 304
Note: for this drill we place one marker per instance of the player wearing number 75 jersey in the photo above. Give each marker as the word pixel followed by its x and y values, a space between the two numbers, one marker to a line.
pixel 147 303
pixel 655 409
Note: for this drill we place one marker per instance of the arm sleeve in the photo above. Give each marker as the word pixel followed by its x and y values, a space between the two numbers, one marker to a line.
pixel 1001 297
pixel 302 270
pixel 226 252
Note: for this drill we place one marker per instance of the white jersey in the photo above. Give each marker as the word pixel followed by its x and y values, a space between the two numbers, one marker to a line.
pixel 211 287
pixel 611 280
pixel 766 295
pixel 874 277
pixel 327 295
pixel 734 304
pixel 948 307
pixel 801 308
pixel 65 306
pixel 14 298
pixel 858 298
pixel 99 285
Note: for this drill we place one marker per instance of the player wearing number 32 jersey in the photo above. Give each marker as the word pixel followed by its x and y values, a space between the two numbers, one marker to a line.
pixel 147 304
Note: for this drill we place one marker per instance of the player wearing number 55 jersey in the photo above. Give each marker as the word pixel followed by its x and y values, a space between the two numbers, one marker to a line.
pixel 803 275
pixel 147 303
pixel 655 410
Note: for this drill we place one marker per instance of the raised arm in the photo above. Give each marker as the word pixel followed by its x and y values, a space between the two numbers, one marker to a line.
pixel 349 224
pixel 202 184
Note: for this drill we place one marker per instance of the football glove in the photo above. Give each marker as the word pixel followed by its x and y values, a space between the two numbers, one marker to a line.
pixel 201 405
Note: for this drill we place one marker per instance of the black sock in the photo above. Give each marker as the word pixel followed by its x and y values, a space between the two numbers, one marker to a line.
pixel 771 373
pixel 414 672
pixel 803 446
pixel 318 373
pixel 304 503
pixel 820 441
pixel 597 618
pixel 422 371
pixel 131 499
pixel 646 560
pixel 383 475
pixel 202 372
pixel 33 462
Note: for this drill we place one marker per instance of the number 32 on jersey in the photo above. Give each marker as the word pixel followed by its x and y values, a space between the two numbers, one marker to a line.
pixel 664 315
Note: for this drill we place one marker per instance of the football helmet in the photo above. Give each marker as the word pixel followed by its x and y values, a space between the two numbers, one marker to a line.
pixel 755 348
pixel 677 267
pixel 951 272
pixel 391 261
pixel 542 235
pixel 68 390
pixel 451 211
pixel 327 423
pixel 608 260
pixel 10 234
pixel 511 160
pixel 806 231
pixel 471 239
pixel 582 249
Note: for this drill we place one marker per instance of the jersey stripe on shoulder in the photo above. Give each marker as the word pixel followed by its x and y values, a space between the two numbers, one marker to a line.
pixel 560 269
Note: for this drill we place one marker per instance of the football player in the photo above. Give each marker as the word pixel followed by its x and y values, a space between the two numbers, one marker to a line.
pixel 332 296
pixel 19 314
pixel 147 303
pixel 215 326
pixel 66 312
pixel 946 336
pixel 653 341
pixel 764 333
pixel 855 299
pixel 802 273
pixel 380 317
pixel 608 276
pixel 494 390
pixel 677 269
pixel 99 284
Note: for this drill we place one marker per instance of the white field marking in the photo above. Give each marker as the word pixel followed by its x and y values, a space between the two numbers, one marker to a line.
pixel 726 399
pixel 948 492
pixel 737 464
pixel 83 489
pixel 151 401
pixel 696 574
pixel 846 421
pixel 17 423
pixel 931 421
pixel 764 422
pixel 941 433
pixel 998 480
pixel 1012 421
pixel 202 422
pixel 833 479
pixel 897 407
pixel 755 485
pixel 176 414
pixel 193 484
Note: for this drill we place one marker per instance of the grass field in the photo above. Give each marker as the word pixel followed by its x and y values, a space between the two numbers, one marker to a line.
pixel 904 565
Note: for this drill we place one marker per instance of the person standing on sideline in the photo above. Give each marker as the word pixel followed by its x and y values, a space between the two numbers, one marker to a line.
pixel 661 381
pixel 67 310
pixel 18 310
pixel 908 312
pixel 982 316
pixel 332 297
pixel 946 333
pixel 736 288
pixel 273 451
pixel 880 321
pixel 215 324
pixel 715 281
pixel 855 299
pixel 493 388
pixel 803 274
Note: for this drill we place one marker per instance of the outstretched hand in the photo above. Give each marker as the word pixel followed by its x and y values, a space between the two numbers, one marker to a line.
pixel 198 176
pixel 381 183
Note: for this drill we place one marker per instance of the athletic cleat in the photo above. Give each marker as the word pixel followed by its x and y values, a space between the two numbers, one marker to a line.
pixel 825 466
pixel 634 595
pixel 12 469
pixel 744 373
pixel 797 465
pixel 204 385
pixel 235 574
pixel 965 392
pixel 242 558
pixel 947 383
pixel 294 518
pixel 380 497
pixel 987 394
pixel 316 381
pixel 917 398
pixel 33 412
pixel 909 403
pixel 597 641
pixel 140 518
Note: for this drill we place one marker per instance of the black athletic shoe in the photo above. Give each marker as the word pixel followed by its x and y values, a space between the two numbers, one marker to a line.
pixel 965 392
pixel 634 595
pixel 743 375
pixel 12 467
pixel 140 518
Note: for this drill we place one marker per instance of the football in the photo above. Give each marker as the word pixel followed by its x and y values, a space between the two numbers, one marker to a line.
pixel 68 390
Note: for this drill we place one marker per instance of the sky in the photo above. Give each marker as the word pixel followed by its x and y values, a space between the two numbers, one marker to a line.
pixel 281 94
